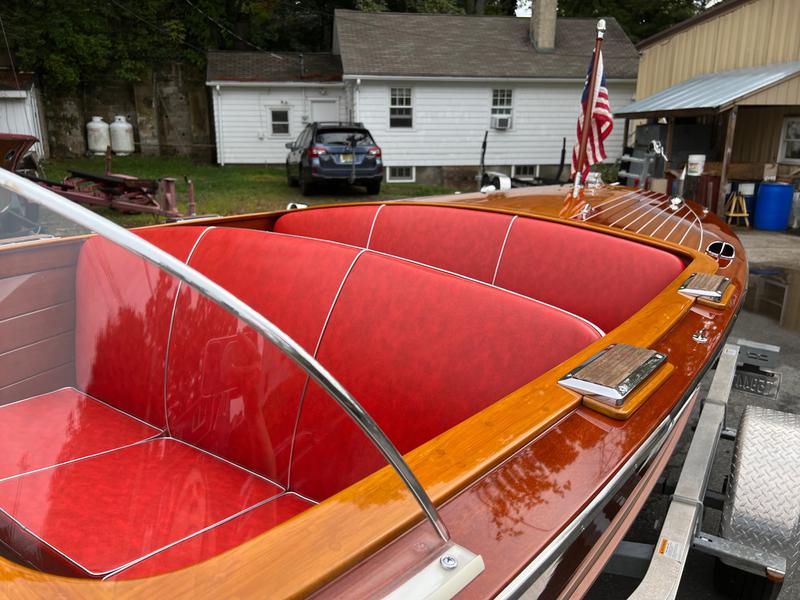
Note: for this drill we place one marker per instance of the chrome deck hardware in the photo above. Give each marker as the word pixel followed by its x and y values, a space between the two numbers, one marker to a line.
pixel 705 285
pixel 613 373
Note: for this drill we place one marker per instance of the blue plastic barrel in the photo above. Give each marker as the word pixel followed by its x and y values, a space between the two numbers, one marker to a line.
pixel 774 205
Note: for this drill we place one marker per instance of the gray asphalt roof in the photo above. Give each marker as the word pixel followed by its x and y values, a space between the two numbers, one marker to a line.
pixel 273 66
pixel 413 44
pixel 713 91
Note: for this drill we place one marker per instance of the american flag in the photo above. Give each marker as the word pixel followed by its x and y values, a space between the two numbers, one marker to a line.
pixel 600 125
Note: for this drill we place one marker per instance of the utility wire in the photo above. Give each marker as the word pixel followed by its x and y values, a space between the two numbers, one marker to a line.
pixel 156 27
pixel 229 31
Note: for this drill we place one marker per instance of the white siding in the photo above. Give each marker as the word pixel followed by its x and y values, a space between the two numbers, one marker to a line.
pixel 451 117
pixel 242 120
pixel 21 116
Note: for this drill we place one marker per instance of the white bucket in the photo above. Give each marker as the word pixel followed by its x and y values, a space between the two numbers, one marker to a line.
pixel 695 164
pixel 747 189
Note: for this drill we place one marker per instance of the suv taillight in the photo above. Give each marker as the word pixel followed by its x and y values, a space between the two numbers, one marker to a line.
pixel 374 151
pixel 315 151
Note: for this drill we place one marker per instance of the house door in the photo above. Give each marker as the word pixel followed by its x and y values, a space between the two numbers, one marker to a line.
pixel 325 110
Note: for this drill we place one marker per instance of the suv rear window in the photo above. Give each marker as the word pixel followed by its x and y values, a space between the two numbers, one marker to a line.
pixel 339 136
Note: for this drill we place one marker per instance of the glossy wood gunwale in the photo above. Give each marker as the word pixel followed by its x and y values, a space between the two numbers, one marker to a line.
pixel 445 465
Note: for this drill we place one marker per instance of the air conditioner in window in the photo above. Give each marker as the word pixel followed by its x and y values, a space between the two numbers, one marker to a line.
pixel 501 122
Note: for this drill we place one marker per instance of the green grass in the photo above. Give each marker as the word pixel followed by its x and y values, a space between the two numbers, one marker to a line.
pixel 227 190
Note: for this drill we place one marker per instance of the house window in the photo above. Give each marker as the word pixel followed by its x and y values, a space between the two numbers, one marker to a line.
pixel 501 103
pixel 400 174
pixel 790 141
pixel 400 109
pixel 280 121
pixel 525 171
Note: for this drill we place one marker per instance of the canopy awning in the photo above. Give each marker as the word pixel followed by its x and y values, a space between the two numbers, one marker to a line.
pixel 714 92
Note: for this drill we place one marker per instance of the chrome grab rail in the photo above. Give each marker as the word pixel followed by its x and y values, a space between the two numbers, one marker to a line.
pixel 220 296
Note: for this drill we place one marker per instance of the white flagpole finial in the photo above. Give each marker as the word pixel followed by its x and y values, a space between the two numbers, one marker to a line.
pixel 601 27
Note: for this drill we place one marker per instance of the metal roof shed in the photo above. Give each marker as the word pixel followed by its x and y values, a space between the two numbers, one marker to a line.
pixel 717 93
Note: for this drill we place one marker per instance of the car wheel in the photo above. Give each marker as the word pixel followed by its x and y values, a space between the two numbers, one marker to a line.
pixel 306 186
pixel 292 181
pixel 374 188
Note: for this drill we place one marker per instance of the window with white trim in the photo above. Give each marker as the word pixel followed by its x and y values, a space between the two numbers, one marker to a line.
pixel 501 103
pixel 790 141
pixel 401 111
pixel 400 174
pixel 279 120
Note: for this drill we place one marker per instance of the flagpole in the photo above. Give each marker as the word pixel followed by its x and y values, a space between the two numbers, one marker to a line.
pixel 588 112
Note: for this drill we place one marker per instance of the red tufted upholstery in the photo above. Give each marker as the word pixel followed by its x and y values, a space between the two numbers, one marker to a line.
pixel 421 349
pixel 602 278
pixel 441 349
pixel 565 266
pixel 348 224
pixel 124 306
pixel 62 426
pixel 467 242
pixel 244 405
pixel 219 539
pixel 106 511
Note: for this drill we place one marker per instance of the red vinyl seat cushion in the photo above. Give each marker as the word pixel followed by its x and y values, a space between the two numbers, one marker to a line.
pixel 440 349
pixel 123 314
pixel 62 426
pixel 347 225
pixel 602 278
pixel 219 539
pixel 229 391
pixel 99 514
pixel 466 242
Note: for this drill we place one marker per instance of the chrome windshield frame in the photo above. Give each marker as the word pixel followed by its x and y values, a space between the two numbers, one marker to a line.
pixel 33 192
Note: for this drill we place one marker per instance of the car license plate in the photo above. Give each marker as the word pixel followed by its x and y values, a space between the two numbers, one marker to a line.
pixel 347 158
pixel 765 383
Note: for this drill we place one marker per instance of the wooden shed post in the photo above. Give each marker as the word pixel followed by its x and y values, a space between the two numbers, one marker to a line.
pixel 625 133
pixel 726 159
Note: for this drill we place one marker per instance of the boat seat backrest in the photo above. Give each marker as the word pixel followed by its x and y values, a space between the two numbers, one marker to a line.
pixel 599 277
pixel 602 278
pixel 123 310
pixel 420 348
pixel 229 391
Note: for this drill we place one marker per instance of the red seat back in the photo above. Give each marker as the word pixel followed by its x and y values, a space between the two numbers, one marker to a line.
pixel 346 224
pixel 602 278
pixel 229 391
pixel 421 350
pixel 123 309
pixel 467 242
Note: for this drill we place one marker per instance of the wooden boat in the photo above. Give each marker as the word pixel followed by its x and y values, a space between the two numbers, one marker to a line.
pixel 165 427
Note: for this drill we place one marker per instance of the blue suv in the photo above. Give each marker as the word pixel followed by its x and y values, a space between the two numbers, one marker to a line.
pixel 327 152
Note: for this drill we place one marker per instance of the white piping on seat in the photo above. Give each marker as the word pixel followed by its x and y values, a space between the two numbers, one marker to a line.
pixel 172 322
pixel 242 512
pixel 372 227
pixel 225 460
pixel 304 237
pixel 81 458
pixel 316 350
pixel 66 387
pixel 503 249
pixel 496 287
pixel 105 574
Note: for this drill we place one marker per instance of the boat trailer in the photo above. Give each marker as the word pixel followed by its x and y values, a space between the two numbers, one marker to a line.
pixel 118 191
pixel 757 541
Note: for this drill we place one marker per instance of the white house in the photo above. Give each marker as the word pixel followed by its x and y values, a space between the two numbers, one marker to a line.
pixel 428 87
pixel 20 107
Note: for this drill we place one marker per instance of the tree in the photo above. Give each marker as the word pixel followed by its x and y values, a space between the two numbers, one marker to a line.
pixel 639 18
